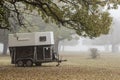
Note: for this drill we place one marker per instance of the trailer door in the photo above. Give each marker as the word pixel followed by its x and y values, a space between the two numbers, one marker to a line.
pixel 47 53
pixel 40 55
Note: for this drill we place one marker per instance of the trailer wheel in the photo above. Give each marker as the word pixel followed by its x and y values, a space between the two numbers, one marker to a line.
pixel 20 63
pixel 29 63
pixel 38 64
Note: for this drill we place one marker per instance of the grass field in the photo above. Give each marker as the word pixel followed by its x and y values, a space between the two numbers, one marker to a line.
pixel 78 67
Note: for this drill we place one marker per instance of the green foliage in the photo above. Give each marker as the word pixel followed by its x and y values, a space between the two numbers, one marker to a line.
pixel 82 16
pixel 4 14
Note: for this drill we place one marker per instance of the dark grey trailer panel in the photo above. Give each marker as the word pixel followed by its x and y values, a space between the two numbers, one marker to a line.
pixel 43 53
pixel 21 53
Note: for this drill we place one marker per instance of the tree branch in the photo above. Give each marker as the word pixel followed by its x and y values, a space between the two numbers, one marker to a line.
pixel 4 27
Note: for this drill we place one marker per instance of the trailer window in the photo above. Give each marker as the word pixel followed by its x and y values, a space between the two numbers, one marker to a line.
pixel 42 38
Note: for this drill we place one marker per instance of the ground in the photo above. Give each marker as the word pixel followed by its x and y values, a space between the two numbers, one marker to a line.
pixel 78 67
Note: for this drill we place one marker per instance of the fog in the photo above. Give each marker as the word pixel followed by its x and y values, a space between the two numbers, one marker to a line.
pixel 84 44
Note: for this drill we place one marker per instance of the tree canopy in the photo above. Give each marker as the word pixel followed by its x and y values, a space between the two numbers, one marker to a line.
pixel 39 25
pixel 86 17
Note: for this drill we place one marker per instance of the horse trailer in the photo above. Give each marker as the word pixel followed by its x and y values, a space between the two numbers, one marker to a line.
pixel 36 48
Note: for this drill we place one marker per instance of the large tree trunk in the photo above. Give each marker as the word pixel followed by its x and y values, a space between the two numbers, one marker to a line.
pixel 115 48
pixel 5 42
pixel 63 46
pixel 5 47
pixel 57 45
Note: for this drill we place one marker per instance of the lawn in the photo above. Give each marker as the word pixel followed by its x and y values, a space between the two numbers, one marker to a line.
pixel 78 67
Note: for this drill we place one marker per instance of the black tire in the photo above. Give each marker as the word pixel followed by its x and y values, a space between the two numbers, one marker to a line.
pixel 38 64
pixel 20 63
pixel 29 63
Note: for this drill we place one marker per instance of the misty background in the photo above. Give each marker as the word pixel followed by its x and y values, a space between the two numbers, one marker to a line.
pixel 107 43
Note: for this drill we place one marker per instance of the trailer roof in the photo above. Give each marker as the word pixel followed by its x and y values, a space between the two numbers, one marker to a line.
pixel 33 38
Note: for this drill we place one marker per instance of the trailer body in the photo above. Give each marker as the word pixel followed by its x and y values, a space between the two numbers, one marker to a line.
pixel 29 48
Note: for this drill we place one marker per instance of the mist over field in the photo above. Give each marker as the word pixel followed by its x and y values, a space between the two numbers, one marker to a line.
pixel 59 40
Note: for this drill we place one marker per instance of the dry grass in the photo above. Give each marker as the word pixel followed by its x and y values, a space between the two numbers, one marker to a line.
pixel 78 67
